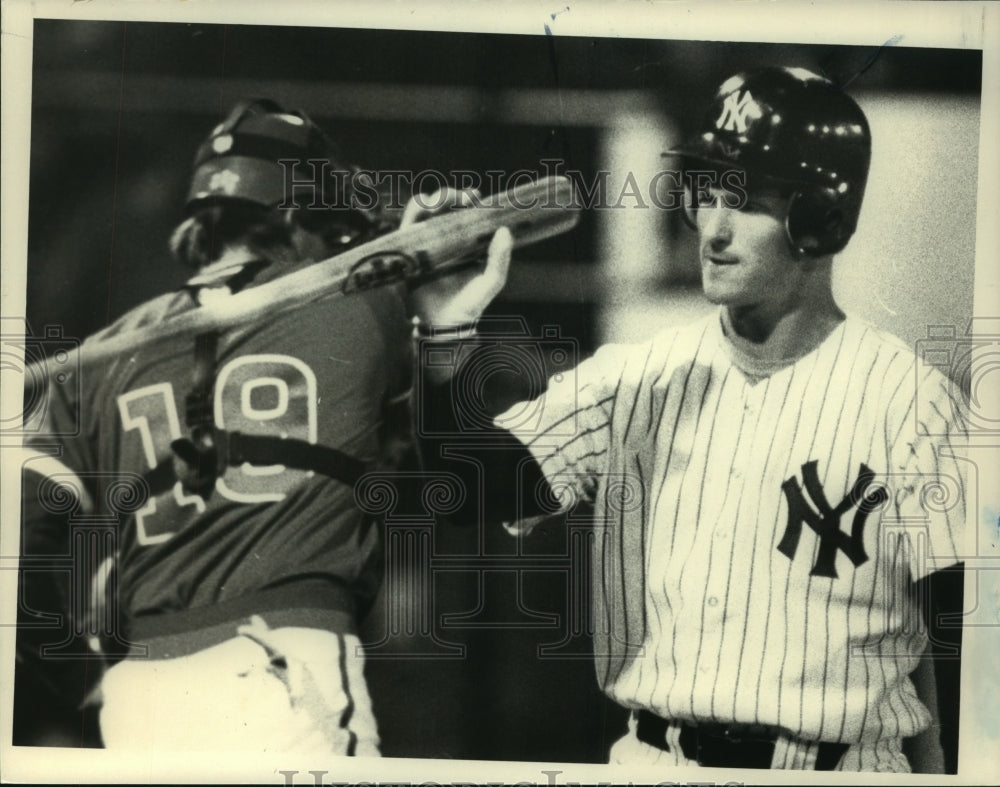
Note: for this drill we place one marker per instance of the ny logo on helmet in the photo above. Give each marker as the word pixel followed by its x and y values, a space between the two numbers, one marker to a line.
pixel 736 110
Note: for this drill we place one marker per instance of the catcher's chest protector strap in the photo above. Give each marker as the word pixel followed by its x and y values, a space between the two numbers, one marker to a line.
pixel 202 457
pixel 290 452
pixel 199 467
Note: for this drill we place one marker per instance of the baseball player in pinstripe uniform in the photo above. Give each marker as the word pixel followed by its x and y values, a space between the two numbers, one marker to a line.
pixel 776 491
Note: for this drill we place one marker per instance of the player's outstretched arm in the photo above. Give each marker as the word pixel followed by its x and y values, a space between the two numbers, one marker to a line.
pixel 447 309
pixel 488 460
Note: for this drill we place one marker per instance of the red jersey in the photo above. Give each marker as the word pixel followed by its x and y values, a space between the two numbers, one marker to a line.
pixel 264 536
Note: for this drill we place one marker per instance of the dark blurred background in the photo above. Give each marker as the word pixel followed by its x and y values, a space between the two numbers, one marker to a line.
pixel 118 110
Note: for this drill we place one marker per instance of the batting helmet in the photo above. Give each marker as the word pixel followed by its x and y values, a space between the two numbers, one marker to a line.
pixel 794 129
pixel 265 155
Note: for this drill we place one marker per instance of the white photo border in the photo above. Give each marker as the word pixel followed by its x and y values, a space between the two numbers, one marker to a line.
pixel 971 25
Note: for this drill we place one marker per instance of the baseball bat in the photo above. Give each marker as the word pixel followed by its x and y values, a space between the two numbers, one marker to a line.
pixel 427 249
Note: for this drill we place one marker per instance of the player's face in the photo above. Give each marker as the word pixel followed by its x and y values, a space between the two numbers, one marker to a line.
pixel 746 259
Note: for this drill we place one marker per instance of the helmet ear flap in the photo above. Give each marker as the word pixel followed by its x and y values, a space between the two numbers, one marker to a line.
pixel 817 223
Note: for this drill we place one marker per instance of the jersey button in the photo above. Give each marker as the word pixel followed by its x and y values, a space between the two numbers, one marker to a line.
pixel 713 601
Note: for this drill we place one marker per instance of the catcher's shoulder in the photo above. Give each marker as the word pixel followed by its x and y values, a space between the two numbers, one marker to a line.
pixel 151 312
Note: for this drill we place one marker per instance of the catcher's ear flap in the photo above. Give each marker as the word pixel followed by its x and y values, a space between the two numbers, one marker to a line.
pixel 816 224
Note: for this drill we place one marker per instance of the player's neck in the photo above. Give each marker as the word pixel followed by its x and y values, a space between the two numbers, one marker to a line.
pixel 788 334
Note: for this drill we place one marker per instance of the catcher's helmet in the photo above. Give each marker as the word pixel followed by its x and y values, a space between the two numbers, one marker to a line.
pixel 791 128
pixel 265 155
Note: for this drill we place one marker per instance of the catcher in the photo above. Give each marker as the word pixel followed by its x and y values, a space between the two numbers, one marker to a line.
pixel 242 577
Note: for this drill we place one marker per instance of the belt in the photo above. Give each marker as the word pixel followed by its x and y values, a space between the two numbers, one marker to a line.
pixel 728 746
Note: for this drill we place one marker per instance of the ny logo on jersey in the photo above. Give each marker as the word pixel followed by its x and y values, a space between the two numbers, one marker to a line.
pixel 825 520
pixel 736 109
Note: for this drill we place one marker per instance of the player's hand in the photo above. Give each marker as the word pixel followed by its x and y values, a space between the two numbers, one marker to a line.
pixel 461 298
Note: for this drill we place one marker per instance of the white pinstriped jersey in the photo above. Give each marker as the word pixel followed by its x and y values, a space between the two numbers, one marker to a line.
pixel 757 533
